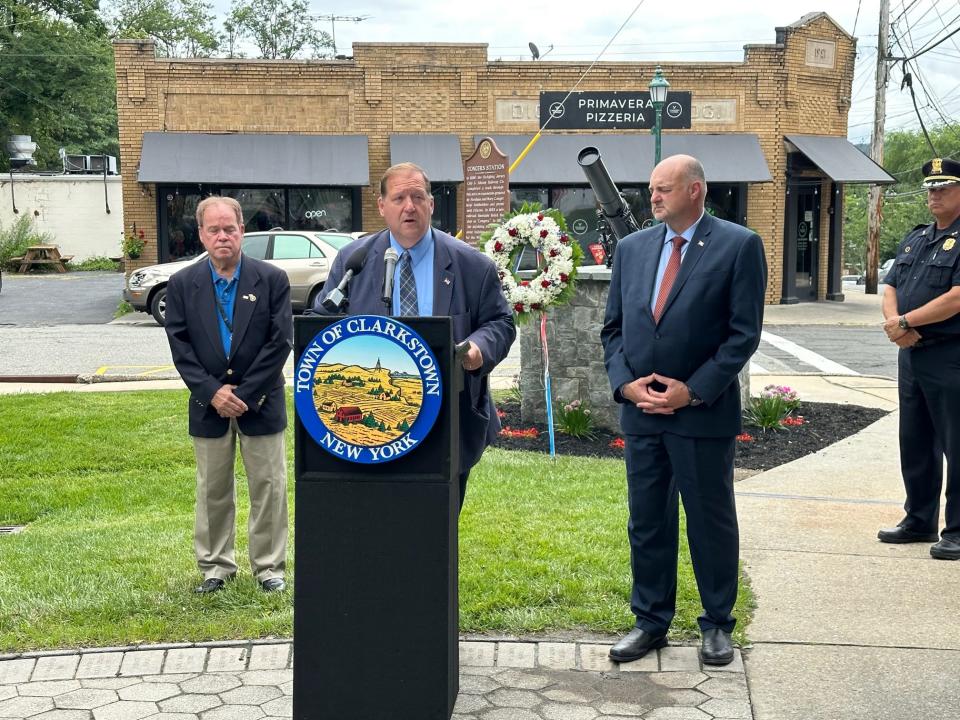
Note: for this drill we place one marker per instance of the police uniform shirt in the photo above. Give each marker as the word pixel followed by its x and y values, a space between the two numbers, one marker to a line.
pixel 926 267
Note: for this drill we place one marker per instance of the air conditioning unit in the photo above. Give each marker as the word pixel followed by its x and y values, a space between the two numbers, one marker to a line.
pixel 96 163
pixel 74 163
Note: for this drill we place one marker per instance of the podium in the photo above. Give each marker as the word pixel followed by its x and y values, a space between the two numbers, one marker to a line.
pixel 376 611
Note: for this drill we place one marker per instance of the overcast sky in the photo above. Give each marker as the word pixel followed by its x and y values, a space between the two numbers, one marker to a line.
pixel 693 30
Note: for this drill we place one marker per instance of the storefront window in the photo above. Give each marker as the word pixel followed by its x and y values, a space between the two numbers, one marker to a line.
pixel 178 226
pixel 320 209
pixel 263 208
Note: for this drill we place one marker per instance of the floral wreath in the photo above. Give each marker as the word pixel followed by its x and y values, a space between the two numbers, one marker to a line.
pixel 558 257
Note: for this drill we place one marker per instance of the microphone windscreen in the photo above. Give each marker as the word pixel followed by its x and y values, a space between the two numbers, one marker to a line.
pixel 355 261
pixel 391 254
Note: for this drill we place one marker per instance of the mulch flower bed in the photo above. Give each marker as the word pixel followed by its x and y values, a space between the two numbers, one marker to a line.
pixel 757 449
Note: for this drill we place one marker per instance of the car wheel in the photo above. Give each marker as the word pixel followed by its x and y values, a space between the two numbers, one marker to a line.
pixel 158 306
pixel 314 294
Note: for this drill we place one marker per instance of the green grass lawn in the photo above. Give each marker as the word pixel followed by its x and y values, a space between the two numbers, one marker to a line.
pixel 105 484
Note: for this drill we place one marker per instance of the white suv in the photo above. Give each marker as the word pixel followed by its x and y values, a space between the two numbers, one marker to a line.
pixel 304 255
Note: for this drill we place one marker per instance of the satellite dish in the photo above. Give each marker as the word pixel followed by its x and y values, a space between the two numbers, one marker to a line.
pixel 535 51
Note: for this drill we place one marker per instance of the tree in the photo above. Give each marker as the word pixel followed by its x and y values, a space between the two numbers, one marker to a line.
pixel 57 79
pixel 904 205
pixel 279 28
pixel 181 28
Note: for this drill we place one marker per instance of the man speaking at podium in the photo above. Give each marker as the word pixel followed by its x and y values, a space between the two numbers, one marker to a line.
pixel 432 273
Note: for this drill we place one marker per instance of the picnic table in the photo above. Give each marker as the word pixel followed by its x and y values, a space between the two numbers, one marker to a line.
pixel 43 255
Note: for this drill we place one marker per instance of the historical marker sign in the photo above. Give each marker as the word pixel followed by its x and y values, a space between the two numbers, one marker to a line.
pixel 612 111
pixel 486 189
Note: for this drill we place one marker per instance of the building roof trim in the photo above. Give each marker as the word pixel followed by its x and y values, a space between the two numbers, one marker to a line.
pixel 439 155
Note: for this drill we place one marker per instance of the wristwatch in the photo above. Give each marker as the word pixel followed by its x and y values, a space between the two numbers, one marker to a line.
pixel 694 398
pixel 904 325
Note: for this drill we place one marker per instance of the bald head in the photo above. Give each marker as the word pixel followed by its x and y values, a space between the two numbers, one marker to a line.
pixel 678 188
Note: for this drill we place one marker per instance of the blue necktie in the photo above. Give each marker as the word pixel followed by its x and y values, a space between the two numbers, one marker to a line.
pixel 408 286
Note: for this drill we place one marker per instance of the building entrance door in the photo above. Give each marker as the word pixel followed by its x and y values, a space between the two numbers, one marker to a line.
pixel 805 238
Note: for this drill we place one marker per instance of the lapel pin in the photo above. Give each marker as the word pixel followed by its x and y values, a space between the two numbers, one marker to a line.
pixel 251 297
pixel 700 243
pixel 446 281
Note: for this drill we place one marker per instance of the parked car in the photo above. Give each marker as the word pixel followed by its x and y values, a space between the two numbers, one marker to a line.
pixel 881 272
pixel 304 255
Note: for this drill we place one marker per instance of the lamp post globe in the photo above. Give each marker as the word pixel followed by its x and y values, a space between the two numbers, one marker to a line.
pixel 659 88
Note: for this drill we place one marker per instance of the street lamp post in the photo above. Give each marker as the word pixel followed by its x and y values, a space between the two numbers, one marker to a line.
pixel 659 87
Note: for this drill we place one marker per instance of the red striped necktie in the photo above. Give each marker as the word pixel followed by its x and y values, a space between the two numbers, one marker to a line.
pixel 669 276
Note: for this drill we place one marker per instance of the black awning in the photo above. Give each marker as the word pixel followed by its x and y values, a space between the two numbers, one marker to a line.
pixel 840 160
pixel 726 158
pixel 254 159
pixel 439 155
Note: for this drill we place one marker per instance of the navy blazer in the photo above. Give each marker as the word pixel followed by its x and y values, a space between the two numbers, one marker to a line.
pixel 709 328
pixel 467 288
pixel 262 340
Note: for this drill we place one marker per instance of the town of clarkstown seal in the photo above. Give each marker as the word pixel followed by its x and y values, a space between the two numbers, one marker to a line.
pixel 367 389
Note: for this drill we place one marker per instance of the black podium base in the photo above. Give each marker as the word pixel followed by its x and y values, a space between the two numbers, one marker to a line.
pixel 375 605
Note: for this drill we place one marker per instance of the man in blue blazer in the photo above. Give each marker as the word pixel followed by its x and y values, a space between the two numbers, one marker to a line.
pixel 229 324
pixel 450 278
pixel 683 317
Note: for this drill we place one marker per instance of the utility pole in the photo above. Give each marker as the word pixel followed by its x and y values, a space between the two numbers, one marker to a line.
pixel 343 18
pixel 875 201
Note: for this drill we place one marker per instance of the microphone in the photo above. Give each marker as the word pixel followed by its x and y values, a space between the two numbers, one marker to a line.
pixel 336 299
pixel 390 258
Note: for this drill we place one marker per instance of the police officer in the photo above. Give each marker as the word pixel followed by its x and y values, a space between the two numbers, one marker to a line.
pixel 921 308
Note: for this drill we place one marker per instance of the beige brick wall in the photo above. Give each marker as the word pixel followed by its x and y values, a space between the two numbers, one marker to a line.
pixel 453 88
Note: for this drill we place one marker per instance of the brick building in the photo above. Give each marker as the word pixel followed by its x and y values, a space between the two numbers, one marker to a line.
pixel 302 144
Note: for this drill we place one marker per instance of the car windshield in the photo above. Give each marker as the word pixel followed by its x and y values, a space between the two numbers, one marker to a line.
pixel 337 241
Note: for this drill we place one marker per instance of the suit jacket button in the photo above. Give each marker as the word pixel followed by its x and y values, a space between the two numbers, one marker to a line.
pixel 657 335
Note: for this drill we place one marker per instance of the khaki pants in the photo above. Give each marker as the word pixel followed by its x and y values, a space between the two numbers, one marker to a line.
pixel 264 458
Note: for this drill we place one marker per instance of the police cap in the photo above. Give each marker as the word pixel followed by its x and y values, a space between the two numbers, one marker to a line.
pixel 940 172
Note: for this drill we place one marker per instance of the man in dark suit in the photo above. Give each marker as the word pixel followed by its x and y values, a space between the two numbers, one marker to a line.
pixel 683 317
pixel 447 277
pixel 229 324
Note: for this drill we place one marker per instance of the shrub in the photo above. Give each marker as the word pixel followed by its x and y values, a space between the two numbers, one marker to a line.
pixel 97 262
pixel 574 419
pixel 15 240
pixel 771 408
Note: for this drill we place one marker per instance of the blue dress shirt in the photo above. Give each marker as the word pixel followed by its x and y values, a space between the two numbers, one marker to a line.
pixel 225 294
pixel 667 250
pixel 421 255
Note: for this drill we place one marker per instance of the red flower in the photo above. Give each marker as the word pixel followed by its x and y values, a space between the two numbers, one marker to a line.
pixel 539 216
pixel 791 421
pixel 617 444
pixel 554 252
pixel 513 232
pixel 564 277
pixel 745 437
pixel 535 306
pixel 544 233
pixel 564 239
pixel 518 307
pixel 524 283
pixel 528 433
pixel 140 233
pixel 498 246
pixel 545 283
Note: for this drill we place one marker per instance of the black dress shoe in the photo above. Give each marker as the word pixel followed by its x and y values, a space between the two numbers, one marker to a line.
pixel 210 585
pixel 902 535
pixel 274 584
pixel 947 549
pixel 716 647
pixel 635 644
